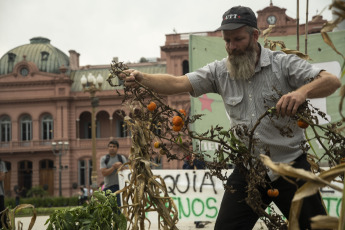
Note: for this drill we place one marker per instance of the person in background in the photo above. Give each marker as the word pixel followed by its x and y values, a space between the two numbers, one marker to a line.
pixel 3 171
pixel 101 185
pixel 110 164
pixel 82 195
pixel 193 163
pixel 157 159
pixel 18 192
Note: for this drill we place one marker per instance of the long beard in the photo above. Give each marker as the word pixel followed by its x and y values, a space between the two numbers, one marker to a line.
pixel 242 66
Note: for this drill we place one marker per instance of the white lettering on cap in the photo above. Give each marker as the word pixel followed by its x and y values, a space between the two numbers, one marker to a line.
pixel 230 16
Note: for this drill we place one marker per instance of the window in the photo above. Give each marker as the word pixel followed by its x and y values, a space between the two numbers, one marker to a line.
pixel 185 67
pixel 121 129
pixel 5 129
pixel 82 172
pixel 85 172
pixel 25 128
pixel 47 128
pixel 90 172
pixel 88 130
pixel 24 71
pixel 11 59
pixel 44 59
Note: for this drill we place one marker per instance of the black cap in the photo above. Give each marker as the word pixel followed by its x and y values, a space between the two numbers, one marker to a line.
pixel 237 17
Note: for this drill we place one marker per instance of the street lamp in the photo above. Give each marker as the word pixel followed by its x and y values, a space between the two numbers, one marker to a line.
pixel 59 149
pixel 92 85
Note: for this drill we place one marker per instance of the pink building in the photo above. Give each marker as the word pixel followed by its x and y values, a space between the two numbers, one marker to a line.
pixel 42 101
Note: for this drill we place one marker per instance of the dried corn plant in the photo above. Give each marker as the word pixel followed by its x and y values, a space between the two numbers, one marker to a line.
pixel 11 214
pixel 146 192
pixel 312 186
pixel 272 45
pixel 338 8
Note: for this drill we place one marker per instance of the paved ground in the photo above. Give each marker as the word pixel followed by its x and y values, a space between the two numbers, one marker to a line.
pixel 40 221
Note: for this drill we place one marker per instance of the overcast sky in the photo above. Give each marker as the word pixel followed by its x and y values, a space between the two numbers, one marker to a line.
pixel 128 29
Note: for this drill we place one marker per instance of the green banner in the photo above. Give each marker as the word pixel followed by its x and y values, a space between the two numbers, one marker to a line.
pixel 204 50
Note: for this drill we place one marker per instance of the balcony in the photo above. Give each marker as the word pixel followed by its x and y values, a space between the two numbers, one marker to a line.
pixel 46 145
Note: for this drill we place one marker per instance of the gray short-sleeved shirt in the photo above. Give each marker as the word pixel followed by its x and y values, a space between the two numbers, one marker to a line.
pixel 2 169
pixel 113 178
pixel 246 100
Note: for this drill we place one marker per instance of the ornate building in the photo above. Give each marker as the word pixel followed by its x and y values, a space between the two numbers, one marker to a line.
pixel 42 102
pixel 285 25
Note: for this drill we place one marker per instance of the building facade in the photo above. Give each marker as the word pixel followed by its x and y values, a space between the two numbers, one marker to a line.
pixel 285 25
pixel 42 101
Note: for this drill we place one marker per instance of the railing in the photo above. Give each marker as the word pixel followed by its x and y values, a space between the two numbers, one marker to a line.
pixel 22 146
pixel 46 145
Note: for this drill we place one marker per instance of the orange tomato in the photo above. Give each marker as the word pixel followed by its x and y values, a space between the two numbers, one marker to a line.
pixel 273 192
pixel 177 120
pixel 152 106
pixel 302 124
pixel 177 128
pixel 156 144
pixel 182 111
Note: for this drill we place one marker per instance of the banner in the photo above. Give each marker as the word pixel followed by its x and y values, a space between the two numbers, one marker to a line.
pixel 198 195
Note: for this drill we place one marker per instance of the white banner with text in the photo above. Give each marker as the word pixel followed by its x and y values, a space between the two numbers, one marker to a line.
pixel 197 194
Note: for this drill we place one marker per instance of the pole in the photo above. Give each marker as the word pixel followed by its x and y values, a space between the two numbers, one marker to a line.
pixel 59 149
pixel 92 89
pixel 297 47
pixel 60 189
pixel 93 135
pixel 306 30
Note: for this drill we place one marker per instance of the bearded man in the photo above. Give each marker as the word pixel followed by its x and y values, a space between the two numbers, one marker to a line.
pixel 250 80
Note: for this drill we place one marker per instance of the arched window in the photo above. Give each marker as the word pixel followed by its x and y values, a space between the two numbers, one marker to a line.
pixel 185 67
pixel 121 129
pixel 47 128
pixel 5 129
pixel 25 128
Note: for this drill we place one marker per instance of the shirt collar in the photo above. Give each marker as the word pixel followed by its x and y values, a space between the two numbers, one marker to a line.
pixel 264 58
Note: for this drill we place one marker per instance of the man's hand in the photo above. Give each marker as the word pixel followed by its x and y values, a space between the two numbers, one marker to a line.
pixel 116 165
pixel 323 85
pixel 129 77
pixel 289 103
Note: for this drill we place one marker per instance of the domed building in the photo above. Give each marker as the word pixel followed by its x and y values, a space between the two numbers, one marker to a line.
pixel 39 52
pixel 43 105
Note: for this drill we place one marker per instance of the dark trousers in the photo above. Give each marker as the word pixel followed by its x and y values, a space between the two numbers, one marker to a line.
pixel 113 189
pixel 234 212
pixel 2 208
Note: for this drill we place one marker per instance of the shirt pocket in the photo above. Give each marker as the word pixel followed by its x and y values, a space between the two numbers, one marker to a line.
pixel 235 107
pixel 270 99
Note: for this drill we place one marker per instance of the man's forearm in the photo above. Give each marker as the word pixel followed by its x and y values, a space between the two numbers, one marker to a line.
pixel 322 86
pixel 166 84
pixel 108 171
